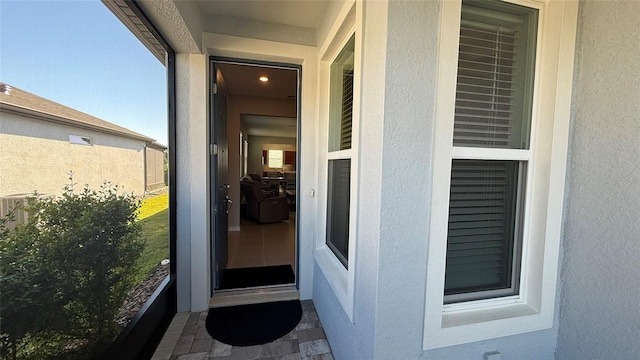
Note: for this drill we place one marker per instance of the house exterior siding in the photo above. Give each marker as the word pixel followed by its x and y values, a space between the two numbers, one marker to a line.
pixel 600 312
pixel 154 167
pixel 37 156
pixel 398 99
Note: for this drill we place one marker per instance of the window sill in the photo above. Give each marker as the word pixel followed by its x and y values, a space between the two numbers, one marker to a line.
pixel 337 277
pixel 487 322
pixel 473 316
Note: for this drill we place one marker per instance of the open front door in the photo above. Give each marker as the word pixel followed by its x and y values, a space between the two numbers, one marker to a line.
pixel 219 167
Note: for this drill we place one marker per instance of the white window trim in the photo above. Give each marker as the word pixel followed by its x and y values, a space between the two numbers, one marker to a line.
pixel 533 309
pixel 341 280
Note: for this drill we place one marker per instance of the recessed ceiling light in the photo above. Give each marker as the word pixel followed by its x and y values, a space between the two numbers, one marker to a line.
pixel 263 78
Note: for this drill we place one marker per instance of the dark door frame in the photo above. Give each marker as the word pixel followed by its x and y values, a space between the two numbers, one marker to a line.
pixel 240 61
pixel 142 335
pixel 219 167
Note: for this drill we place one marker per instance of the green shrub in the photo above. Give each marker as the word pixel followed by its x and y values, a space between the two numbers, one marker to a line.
pixel 65 273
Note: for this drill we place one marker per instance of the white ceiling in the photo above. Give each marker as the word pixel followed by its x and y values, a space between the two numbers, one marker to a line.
pixel 282 84
pixel 305 13
pixel 243 80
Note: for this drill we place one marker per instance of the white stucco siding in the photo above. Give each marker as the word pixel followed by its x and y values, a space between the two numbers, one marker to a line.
pixel 37 156
pixel 355 338
pixel 399 82
pixel 600 311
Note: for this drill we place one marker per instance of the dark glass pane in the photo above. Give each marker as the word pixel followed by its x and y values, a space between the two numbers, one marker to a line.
pixel 338 208
pixel 483 224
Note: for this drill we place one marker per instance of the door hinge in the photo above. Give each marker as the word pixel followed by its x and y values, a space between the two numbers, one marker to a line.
pixel 213 149
pixel 215 88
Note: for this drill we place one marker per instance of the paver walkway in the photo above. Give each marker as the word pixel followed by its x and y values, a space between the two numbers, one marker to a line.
pixel 187 339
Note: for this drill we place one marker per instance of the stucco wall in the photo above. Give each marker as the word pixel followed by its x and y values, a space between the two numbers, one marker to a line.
pixel 600 307
pixel 398 94
pixel 37 155
pixel 355 338
pixel 193 249
pixel 236 106
pixel 405 196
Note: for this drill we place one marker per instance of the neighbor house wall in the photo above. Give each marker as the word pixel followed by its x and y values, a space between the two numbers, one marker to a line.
pixel 600 311
pixel 26 141
pixel 237 106
pixel 154 167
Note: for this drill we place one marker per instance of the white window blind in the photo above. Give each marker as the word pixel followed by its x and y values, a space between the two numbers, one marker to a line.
pixel 493 75
pixel 341 105
pixel 347 108
pixel 276 158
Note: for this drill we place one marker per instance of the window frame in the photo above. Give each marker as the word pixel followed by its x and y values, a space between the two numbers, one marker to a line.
pixel 522 155
pixel 137 340
pixel 340 279
pixel 534 306
pixel 80 140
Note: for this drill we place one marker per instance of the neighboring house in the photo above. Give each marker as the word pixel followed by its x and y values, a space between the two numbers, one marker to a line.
pixel 572 173
pixel 155 158
pixel 41 142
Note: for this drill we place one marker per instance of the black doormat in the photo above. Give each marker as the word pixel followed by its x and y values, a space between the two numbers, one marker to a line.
pixel 255 324
pixel 257 276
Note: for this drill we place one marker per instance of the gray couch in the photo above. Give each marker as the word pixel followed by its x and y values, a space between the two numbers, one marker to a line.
pixel 263 208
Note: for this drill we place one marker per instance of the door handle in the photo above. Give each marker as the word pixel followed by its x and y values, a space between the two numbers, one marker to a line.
pixel 229 204
pixel 225 186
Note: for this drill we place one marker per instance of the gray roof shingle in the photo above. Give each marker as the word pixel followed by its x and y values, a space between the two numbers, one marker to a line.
pixel 19 101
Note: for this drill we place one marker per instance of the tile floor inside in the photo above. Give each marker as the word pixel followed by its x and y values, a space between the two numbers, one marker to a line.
pixel 187 339
pixel 263 244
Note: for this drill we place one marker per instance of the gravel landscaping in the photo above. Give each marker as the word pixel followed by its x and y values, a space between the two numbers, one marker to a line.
pixel 140 294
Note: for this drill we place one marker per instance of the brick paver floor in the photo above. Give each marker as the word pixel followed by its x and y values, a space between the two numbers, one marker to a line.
pixel 187 339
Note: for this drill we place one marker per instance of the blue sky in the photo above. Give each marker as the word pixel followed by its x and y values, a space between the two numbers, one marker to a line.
pixel 77 53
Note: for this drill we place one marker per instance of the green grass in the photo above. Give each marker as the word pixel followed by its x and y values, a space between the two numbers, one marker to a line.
pixel 155 233
pixel 153 205
pixel 154 222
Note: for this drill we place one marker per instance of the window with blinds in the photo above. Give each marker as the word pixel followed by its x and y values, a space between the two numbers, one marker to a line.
pixel 275 159
pixel 338 202
pixel 495 73
pixel 347 109
pixel 341 101
pixel 483 226
pixel 339 148
pixel 494 90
